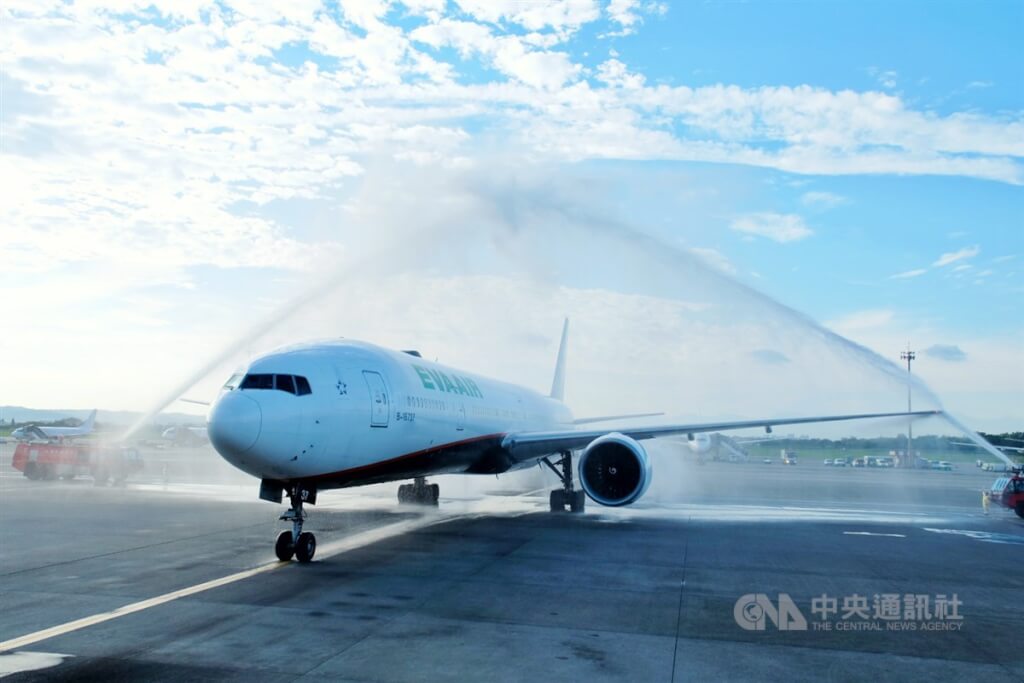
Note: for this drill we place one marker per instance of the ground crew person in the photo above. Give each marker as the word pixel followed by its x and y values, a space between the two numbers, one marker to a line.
pixel 984 501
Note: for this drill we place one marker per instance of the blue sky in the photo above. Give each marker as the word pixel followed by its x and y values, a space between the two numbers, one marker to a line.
pixel 180 170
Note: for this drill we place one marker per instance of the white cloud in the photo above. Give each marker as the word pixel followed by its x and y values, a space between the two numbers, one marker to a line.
pixel 909 274
pixel 627 14
pixel 826 200
pixel 614 73
pixel 781 228
pixel 949 352
pixel 509 54
pixel 535 15
pixel 945 260
pixel 169 140
pixel 954 256
pixel 715 259
pixel 862 320
pixel 885 77
pixel 624 12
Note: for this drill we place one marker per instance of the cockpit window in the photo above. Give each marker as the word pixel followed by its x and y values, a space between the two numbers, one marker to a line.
pixel 284 383
pixel 258 382
pixel 293 384
pixel 233 382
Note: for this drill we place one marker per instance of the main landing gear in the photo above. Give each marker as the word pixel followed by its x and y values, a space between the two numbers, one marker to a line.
pixel 419 493
pixel 301 544
pixel 564 497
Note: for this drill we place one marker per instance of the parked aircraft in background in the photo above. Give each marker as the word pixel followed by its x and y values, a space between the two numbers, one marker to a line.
pixel 182 435
pixel 44 433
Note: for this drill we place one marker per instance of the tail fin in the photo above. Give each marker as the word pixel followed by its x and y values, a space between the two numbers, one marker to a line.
pixel 558 384
pixel 91 420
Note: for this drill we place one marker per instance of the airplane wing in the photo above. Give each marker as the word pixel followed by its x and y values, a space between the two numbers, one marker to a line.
pixel 531 445
pixel 610 418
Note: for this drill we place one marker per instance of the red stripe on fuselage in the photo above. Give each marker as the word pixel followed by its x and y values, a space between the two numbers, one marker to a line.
pixel 391 461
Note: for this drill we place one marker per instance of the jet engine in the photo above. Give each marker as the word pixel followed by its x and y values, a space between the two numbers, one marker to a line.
pixel 615 470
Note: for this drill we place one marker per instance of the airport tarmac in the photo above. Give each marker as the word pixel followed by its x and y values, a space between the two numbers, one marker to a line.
pixel 175 580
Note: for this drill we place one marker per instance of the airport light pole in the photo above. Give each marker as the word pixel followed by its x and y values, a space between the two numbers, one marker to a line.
pixel 909 356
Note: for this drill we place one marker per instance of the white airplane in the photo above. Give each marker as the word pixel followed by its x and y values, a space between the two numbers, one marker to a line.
pixel 43 433
pixel 185 435
pixel 346 413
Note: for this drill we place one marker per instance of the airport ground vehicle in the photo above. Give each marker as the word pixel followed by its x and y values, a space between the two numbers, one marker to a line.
pixel 46 461
pixel 1009 492
pixel 788 457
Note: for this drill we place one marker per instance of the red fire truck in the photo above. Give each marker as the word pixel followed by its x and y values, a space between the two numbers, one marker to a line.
pixel 44 461
pixel 1009 491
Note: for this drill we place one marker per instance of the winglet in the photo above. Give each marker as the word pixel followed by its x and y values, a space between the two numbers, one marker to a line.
pixel 558 384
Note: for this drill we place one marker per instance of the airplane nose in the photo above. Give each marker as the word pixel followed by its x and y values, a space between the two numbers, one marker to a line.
pixel 234 423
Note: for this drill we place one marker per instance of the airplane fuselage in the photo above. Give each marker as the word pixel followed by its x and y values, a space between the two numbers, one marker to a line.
pixel 370 415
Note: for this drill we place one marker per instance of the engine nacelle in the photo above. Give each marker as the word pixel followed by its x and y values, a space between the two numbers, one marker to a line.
pixel 615 470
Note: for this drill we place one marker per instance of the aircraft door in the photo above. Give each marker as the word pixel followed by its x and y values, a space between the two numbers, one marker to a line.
pixel 460 416
pixel 380 407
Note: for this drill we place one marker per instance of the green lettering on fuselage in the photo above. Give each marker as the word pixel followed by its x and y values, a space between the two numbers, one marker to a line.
pixel 424 377
pixel 436 380
pixel 449 385
pixel 473 388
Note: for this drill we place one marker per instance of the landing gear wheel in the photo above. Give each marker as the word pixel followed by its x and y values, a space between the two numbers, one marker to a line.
pixel 301 544
pixel 567 496
pixel 419 493
pixel 1019 510
pixel 305 548
pixel 284 548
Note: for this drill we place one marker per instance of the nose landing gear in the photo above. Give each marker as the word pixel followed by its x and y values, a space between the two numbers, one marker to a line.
pixel 301 544
pixel 419 493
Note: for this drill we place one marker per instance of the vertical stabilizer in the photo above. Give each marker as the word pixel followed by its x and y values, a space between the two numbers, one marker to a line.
pixel 558 383
pixel 90 421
